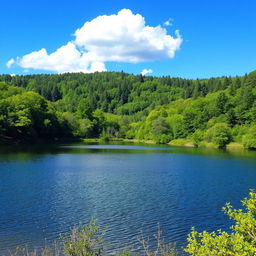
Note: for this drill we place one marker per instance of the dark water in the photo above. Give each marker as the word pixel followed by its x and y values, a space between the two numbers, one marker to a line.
pixel 44 191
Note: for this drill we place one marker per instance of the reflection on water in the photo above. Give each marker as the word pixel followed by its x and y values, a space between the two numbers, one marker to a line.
pixel 48 189
pixel 30 152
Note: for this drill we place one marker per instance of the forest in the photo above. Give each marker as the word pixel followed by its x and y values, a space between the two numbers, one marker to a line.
pixel 215 112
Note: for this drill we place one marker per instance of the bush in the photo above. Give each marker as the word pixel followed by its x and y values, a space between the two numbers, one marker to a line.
pixel 84 241
pixel 241 242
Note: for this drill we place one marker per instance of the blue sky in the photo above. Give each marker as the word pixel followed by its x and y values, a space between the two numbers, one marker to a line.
pixel 218 37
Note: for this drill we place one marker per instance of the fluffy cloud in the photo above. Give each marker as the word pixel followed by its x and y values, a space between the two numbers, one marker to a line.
pixel 146 71
pixel 123 37
pixel 66 59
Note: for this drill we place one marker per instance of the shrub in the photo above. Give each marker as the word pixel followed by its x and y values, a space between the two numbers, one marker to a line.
pixel 84 241
pixel 241 242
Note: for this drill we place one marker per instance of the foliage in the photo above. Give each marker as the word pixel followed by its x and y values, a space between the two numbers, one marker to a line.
pixel 160 130
pixel 85 128
pixel 241 241
pixel 121 105
pixel 197 137
pixel 104 137
pixel 84 109
pixel 86 240
pixel 249 139
pixel 28 115
pixel 176 124
pixel 220 134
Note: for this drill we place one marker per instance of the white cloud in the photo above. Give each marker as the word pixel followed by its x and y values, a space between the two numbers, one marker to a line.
pixel 122 37
pixel 169 22
pixel 125 38
pixel 146 71
pixel 10 62
pixel 66 59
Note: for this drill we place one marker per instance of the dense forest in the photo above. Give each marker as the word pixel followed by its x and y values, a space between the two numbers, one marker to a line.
pixel 200 112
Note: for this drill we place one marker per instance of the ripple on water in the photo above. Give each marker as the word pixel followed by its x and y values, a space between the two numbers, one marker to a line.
pixel 44 193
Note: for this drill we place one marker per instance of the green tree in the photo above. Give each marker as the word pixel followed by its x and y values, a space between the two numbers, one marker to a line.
pixel 71 122
pixel 85 128
pixel 160 130
pixel 197 137
pixel 220 134
pixel 84 109
pixel 221 102
pixel 99 121
pixel 249 139
pixel 176 123
pixel 231 117
pixel 237 83
pixel 251 79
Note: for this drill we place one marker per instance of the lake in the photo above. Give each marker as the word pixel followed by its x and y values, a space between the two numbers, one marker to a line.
pixel 47 190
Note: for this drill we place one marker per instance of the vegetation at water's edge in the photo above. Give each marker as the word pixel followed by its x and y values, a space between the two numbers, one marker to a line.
pixel 241 241
pixel 205 112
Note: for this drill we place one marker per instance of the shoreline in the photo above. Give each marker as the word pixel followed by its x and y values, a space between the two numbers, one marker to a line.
pixel 232 146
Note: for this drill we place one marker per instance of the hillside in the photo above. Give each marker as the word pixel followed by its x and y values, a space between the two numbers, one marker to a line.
pixel 207 111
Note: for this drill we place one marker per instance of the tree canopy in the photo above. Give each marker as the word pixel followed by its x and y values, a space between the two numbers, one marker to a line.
pixel 162 109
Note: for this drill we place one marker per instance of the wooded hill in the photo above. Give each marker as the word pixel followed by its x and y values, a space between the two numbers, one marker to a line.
pixel 111 104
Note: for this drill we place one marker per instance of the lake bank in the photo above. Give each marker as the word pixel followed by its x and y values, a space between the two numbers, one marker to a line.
pixel 233 146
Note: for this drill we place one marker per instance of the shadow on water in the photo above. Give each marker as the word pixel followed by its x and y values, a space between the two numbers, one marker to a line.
pixel 27 152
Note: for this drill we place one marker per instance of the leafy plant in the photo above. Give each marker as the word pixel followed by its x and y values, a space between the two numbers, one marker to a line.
pixel 84 241
pixel 240 242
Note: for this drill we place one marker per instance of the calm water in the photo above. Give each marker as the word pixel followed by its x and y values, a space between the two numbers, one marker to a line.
pixel 45 191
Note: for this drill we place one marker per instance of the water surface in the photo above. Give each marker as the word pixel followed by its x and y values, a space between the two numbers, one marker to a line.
pixel 44 191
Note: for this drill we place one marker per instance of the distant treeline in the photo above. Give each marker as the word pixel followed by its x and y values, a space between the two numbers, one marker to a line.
pixel 110 104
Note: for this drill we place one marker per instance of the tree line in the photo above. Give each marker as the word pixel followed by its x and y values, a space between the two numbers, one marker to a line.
pixel 116 104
